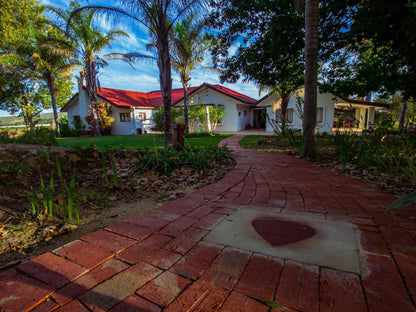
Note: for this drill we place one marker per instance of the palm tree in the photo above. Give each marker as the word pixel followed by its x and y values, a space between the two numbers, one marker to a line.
pixel 158 16
pixel 84 43
pixel 188 46
pixel 50 66
pixel 311 72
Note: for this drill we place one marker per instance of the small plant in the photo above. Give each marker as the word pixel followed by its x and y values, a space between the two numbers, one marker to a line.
pixel 344 143
pixel 407 199
pixel 71 196
pixel 46 154
pixel 33 201
pixel 296 139
pixel 50 196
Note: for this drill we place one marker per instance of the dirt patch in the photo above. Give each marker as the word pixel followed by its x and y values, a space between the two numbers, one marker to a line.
pixel 104 194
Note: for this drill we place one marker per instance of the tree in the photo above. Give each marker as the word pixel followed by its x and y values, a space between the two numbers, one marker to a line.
pixel 269 35
pixel 84 44
pixel 311 76
pixel 25 62
pixel 51 66
pixel 188 46
pixel 377 51
pixel 25 95
pixel 158 17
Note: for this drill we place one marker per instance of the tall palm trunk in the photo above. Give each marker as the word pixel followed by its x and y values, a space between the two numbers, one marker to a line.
pixel 311 76
pixel 92 94
pixel 51 87
pixel 185 80
pixel 403 113
pixel 165 76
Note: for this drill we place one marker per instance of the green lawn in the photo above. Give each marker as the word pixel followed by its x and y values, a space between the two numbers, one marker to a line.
pixel 142 142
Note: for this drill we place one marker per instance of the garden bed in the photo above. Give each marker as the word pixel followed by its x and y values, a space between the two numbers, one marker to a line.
pixel 389 165
pixel 52 195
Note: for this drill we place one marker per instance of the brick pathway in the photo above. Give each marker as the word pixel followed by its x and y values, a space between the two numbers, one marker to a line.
pixel 159 261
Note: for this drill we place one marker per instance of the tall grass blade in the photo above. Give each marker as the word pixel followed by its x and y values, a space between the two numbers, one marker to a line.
pixel 77 213
pixel 34 204
pixel 44 195
pixel 61 180
pixel 50 197
pixel 71 194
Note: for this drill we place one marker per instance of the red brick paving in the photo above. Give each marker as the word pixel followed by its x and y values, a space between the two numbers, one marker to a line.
pixel 84 254
pixel 164 289
pixel 158 262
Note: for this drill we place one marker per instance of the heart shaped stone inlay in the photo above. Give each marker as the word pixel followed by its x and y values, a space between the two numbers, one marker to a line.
pixel 281 232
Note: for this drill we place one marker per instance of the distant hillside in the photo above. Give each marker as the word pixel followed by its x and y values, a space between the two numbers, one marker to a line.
pixel 19 121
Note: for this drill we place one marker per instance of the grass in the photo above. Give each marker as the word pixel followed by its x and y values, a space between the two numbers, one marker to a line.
pixel 138 142
pixel 261 143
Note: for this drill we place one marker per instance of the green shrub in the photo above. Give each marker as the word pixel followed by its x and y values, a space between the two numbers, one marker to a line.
pixel 41 135
pixel 166 161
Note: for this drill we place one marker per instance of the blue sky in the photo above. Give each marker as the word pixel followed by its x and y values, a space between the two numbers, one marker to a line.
pixel 145 76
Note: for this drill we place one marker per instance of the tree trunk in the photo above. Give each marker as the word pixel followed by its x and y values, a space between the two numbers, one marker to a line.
pixel 91 79
pixel 51 86
pixel 28 117
pixel 285 103
pixel 403 115
pixel 185 103
pixel 165 77
pixel 311 73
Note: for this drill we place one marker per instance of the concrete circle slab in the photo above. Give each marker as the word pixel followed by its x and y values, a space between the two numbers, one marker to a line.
pixel 334 244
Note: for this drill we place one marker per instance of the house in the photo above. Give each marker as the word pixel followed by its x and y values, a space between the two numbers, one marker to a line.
pixel 238 107
pixel 132 108
pixel 332 111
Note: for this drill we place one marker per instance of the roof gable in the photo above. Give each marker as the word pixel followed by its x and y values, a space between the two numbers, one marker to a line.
pixel 223 90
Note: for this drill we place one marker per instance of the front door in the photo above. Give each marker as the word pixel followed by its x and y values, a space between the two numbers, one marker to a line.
pixel 259 118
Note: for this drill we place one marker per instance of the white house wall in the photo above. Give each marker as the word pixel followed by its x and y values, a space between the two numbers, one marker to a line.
pixel 243 116
pixel 148 124
pixel 121 128
pixel 324 100
pixel 232 121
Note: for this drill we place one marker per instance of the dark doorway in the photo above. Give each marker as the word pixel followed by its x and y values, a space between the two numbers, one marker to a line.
pixel 259 118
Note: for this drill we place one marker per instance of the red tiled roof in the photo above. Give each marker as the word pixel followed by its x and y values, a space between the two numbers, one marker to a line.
pixel 125 98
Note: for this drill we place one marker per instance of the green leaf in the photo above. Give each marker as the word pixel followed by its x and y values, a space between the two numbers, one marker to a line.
pixel 272 304
pixel 406 199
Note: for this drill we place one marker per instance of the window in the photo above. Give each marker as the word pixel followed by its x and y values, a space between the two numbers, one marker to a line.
pixel 245 113
pixel 289 115
pixel 319 115
pixel 125 117
pixel 142 116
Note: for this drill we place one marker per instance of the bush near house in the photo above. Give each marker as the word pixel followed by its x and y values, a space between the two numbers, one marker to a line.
pixel 105 120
